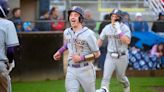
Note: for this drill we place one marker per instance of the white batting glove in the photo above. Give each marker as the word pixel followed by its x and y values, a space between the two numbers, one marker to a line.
pixel 117 27
pixel 11 66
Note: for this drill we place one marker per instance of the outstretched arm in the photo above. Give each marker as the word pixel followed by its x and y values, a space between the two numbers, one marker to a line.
pixel 58 54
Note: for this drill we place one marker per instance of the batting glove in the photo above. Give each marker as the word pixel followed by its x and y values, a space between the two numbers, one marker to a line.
pixel 11 66
pixel 117 27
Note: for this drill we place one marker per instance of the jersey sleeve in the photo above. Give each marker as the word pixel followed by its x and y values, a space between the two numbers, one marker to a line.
pixel 103 35
pixel 65 34
pixel 11 35
pixel 127 31
pixel 92 42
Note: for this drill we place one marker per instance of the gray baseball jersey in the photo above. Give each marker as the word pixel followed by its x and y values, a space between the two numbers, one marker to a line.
pixel 114 42
pixel 8 37
pixel 111 64
pixel 82 42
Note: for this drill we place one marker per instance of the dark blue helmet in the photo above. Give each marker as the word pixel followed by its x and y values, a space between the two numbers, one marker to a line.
pixel 78 10
pixel 4 8
pixel 117 12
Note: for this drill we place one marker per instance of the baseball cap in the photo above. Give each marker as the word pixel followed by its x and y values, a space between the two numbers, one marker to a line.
pixel 138 14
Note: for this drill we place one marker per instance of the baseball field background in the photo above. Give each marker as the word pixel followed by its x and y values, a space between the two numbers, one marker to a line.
pixel 35 69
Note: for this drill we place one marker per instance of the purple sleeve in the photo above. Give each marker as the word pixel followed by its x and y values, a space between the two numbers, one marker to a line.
pixel 10 54
pixel 63 48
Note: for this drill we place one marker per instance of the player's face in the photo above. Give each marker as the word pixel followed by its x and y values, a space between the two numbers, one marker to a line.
pixel 114 17
pixel 74 19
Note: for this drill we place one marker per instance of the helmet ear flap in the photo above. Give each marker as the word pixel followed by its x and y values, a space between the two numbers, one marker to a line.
pixel 81 19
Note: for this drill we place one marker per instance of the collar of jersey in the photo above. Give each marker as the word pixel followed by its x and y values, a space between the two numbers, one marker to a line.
pixel 83 29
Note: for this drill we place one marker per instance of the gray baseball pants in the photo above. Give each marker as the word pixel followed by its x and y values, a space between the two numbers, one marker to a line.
pixel 119 65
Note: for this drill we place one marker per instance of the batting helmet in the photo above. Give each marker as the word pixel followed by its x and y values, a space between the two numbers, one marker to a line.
pixel 4 8
pixel 78 10
pixel 117 12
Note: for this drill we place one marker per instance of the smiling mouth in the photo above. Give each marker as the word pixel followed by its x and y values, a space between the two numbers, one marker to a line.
pixel 73 21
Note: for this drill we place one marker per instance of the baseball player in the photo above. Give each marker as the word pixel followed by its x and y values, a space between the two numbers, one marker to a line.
pixel 8 40
pixel 83 49
pixel 119 36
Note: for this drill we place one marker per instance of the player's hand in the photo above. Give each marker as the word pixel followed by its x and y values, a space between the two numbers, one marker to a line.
pixel 117 27
pixel 11 65
pixel 76 58
pixel 57 56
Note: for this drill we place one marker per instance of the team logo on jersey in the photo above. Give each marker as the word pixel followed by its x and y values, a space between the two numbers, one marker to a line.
pixel 113 36
pixel 79 45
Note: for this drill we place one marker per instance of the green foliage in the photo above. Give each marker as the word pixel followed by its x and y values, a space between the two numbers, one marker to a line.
pixel 138 84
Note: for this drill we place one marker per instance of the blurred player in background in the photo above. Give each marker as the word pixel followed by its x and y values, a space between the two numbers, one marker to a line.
pixel 118 35
pixel 8 40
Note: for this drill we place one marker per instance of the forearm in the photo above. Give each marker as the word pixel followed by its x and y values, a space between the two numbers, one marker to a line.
pixel 97 54
pixel 99 42
pixel 125 39
pixel 63 48
pixel 91 56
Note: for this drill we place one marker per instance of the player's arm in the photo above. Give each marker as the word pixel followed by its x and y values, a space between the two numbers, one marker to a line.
pixel 94 47
pixel 58 54
pixel 95 53
pixel 124 38
pixel 89 57
pixel 10 54
pixel 99 42
pixel 11 43
pixel 101 37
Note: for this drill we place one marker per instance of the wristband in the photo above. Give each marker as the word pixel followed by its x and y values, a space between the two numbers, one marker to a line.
pixel 120 34
pixel 82 58
pixel 63 48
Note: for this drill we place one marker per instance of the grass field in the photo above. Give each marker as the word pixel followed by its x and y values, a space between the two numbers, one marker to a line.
pixel 138 84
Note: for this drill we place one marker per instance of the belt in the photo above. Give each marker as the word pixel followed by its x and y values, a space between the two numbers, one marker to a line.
pixel 117 54
pixel 78 65
pixel 120 53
